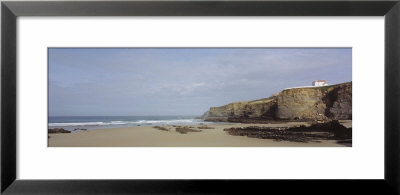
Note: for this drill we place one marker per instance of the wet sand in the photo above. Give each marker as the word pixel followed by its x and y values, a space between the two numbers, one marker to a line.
pixel 148 136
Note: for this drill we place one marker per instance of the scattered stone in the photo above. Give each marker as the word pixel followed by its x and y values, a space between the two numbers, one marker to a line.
pixel 161 128
pixel 58 130
pixel 332 130
pixel 185 129
pixel 78 129
pixel 205 127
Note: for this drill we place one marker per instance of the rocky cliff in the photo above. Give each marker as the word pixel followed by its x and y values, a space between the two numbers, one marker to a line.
pixel 312 103
pixel 262 109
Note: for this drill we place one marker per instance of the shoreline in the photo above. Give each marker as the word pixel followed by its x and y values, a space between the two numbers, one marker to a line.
pixel 168 136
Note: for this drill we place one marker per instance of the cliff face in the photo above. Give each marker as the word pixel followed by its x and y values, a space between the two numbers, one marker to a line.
pixel 339 102
pixel 314 103
pixel 300 103
pixel 262 109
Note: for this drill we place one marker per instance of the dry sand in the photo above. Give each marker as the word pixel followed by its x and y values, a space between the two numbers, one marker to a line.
pixel 148 136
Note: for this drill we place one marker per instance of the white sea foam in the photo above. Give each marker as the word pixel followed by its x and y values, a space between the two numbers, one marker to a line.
pixel 80 124
pixel 139 122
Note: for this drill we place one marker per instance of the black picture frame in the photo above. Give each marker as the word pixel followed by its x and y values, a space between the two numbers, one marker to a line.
pixel 11 10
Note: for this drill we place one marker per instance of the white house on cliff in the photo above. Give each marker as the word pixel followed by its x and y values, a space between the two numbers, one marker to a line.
pixel 318 83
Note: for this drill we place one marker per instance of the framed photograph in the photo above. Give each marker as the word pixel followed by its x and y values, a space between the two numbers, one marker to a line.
pixel 199 97
pixel 166 102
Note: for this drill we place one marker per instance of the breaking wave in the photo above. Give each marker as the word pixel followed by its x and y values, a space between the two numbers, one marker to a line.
pixel 133 123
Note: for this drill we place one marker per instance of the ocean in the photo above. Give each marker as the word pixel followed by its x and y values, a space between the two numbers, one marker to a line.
pixel 102 122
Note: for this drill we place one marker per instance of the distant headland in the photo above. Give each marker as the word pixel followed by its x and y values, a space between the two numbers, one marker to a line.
pixel 320 102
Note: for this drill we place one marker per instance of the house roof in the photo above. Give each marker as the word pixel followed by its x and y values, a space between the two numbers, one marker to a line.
pixel 320 81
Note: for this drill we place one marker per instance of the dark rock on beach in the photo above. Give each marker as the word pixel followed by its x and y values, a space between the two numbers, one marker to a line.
pixel 79 129
pixel 161 128
pixel 58 130
pixel 205 127
pixel 185 129
pixel 332 130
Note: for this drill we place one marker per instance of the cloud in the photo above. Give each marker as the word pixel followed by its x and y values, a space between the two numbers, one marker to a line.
pixel 181 81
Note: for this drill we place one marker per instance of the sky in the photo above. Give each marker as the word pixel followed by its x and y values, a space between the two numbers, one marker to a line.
pixel 181 81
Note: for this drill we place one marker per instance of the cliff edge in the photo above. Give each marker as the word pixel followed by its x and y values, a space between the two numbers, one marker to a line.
pixel 307 103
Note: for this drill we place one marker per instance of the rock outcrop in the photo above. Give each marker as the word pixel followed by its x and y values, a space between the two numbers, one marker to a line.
pixel 331 130
pixel 312 103
pixel 58 130
pixel 262 109
pixel 339 102
pixel 301 103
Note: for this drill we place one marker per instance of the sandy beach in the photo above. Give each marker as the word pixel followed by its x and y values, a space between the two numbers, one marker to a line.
pixel 148 136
